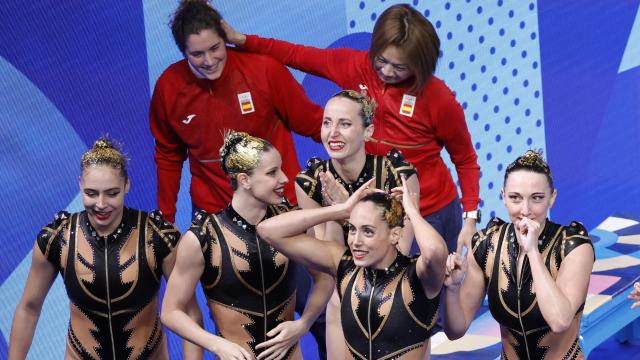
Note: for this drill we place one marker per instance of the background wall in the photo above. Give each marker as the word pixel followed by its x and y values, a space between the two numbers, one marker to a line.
pixel 562 76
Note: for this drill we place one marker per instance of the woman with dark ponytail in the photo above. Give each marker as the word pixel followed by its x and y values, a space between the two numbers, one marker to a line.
pixel 389 302
pixel 112 259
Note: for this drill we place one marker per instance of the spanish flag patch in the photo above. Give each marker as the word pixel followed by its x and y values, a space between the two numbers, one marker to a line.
pixel 408 104
pixel 246 103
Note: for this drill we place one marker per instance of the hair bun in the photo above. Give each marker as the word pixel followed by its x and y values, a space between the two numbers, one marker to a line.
pixel 105 152
pixel 103 143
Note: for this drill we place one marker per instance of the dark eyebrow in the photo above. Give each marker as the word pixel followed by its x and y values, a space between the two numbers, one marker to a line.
pixel 94 190
pixel 389 62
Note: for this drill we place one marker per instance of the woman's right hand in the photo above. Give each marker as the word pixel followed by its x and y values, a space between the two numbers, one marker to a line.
pixel 234 37
pixel 456 270
pixel 363 191
pixel 332 191
pixel 227 350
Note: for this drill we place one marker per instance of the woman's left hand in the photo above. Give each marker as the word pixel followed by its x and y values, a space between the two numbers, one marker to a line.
pixel 528 231
pixel 234 37
pixel 410 200
pixel 283 337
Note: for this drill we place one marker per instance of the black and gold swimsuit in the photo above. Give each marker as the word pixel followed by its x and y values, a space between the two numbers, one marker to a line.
pixel 385 313
pixel 250 287
pixel 386 169
pixel 112 282
pixel 525 333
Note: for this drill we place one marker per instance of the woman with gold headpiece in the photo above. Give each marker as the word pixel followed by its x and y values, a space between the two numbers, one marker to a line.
pixel 111 258
pixel 535 272
pixel 346 125
pixel 389 302
pixel 250 287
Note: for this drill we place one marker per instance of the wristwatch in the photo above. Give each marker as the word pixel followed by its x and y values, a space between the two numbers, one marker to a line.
pixel 475 214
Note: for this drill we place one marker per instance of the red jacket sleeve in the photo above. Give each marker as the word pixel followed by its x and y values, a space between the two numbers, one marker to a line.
pixel 336 65
pixel 452 129
pixel 297 112
pixel 170 152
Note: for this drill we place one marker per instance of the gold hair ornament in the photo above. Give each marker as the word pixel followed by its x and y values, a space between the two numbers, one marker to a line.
pixel 361 97
pixel 240 152
pixel 104 152
pixel 395 214
pixel 531 159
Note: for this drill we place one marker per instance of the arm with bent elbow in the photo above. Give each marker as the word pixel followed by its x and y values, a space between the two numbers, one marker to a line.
pixel 464 291
pixel 433 250
pixel 286 233
pixel 559 299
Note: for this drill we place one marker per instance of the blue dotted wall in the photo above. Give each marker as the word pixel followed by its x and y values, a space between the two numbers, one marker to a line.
pixel 491 60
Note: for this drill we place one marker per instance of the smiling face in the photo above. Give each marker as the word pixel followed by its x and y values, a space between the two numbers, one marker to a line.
pixel 527 194
pixel 343 133
pixel 266 182
pixel 391 65
pixel 103 189
pixel 371 241
pixel 207 54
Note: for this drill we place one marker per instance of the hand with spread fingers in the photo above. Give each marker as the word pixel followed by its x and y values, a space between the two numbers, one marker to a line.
pixel 283 337
pixel 332 191
pixel 635 295
pixel 227 350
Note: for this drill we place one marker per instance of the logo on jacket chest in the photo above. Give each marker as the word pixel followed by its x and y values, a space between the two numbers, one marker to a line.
pixel 246 103
pixel 408 105
pixel 188 119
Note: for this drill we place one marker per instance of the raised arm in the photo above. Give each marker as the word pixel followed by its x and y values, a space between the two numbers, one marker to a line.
pixel 189 350
pixel 41 276
pixel 298 113
pixel 286 233
pixel 433 250
pixel 180 293
pixel 464 291
pixel 332 64
pixel 306 202
pixel 413 187
pixel 558 299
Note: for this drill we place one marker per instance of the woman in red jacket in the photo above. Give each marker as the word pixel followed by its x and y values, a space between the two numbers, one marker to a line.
pixel 416 113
